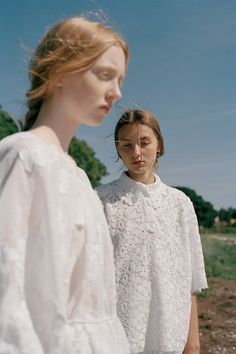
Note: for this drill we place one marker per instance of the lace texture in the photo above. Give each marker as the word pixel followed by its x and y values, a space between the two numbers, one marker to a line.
pixel 159 262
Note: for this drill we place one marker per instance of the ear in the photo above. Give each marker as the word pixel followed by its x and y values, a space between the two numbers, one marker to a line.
pixel 157 155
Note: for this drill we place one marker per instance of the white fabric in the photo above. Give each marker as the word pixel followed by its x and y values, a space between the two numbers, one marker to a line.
pixel 159 262
pixel 57 276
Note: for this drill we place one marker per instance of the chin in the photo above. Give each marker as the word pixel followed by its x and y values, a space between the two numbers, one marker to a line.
pixel 139 170
pixel 135 172
pixel 95 122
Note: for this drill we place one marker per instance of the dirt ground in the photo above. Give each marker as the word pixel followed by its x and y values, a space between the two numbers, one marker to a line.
pixel 217 317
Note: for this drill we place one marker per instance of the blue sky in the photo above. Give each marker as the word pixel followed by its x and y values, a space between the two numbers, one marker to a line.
pixel 182 68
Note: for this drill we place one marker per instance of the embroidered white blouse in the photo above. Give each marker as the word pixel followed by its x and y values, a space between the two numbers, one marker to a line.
pixel 159 262
pixel 57 276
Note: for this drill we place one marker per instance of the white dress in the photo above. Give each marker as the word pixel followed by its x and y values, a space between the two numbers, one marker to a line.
pixel 57 276
pixel 159 262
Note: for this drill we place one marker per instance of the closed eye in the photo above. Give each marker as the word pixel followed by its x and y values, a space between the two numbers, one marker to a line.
pixel 144 143
pixel 105 75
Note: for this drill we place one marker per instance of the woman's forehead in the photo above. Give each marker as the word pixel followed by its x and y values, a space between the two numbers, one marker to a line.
pixel 135 130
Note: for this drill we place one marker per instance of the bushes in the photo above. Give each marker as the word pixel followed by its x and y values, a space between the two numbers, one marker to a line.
pixel 220 256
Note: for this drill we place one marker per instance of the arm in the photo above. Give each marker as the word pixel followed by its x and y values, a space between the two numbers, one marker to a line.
pixel 17 334
pixel 199 280
pixel 193 344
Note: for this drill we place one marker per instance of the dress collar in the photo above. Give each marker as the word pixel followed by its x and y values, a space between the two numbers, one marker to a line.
pixel 129 183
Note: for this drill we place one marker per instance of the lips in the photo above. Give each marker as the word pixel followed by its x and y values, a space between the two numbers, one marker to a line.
pixel 106 107
pixel 137 162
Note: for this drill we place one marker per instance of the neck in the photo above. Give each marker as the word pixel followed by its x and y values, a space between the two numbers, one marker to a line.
pixel 53 126
pixel 145 178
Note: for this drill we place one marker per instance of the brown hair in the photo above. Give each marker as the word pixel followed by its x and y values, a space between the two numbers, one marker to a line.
pixel 70 46
pixel 139 116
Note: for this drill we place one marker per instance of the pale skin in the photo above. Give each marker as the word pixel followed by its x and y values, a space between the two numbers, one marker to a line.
pixel 193 343
pixel 83 98
pixel 138 148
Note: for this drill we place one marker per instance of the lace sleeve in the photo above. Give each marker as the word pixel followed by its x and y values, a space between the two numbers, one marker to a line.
pixel 199 281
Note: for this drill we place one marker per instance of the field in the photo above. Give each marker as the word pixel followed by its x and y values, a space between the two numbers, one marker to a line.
pixel 217 305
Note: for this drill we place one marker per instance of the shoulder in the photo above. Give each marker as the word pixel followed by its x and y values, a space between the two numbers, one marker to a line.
pixel 83 176
pixel 177 196
pixel 104 191
pixel 28 149
pixel 176 193
pixel 178 201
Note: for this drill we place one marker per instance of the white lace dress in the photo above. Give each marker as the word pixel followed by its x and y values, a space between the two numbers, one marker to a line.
pixel 159 262
pixel 57 276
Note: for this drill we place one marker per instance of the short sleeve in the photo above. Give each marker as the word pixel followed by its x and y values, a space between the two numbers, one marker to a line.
pixel 17 334
pixel 199 280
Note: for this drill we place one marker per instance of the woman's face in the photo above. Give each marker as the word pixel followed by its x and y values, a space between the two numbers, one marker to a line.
pixel 138 148
pixel 87 97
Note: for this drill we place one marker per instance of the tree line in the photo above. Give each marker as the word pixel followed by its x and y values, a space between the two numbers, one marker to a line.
pixel 206 214
pixel 84 157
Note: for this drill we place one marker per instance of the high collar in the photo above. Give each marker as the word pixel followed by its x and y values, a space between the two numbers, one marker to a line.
pixel 130 183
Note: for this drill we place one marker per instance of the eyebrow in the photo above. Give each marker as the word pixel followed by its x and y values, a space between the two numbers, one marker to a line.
pixel 123 139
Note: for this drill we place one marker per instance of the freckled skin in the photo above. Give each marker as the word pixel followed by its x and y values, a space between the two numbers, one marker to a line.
pixel 138 148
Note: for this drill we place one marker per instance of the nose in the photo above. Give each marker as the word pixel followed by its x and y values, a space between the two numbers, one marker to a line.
pixel 137 150
pixel 115 91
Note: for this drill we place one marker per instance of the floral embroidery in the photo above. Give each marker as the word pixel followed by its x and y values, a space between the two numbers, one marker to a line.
pixel 158 260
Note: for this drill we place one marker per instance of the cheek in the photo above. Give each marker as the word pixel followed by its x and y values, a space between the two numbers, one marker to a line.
pixel 152 150
pixel 91 86
pixel 85 98
pixel 122 154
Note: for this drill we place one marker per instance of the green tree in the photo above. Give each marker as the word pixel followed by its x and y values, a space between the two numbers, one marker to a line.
pixel 7 125
pixel 227 214
pixel 204 210
pixel 83 155
pixel 233 215
pixel 224 215
pixel 85 158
